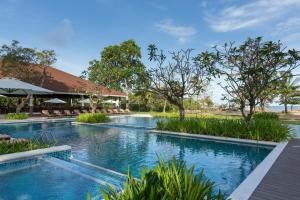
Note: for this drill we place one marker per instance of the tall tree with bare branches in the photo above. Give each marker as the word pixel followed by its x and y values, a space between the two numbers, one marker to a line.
pixel 179 77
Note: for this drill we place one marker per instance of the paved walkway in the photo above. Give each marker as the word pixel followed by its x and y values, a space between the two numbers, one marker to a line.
pixel 282 182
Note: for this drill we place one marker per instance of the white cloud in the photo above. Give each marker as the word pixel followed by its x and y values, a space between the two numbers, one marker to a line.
pixel 290 25
pixel 181 33
pixel 251 14
pixel 62 35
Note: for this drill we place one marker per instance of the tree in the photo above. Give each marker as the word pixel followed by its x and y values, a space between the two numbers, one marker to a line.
pixel 183 76
pixel 20 62
pixel 289 91
pixel 120 67
pixel 251 69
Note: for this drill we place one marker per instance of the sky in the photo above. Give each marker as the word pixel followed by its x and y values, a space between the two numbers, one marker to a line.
pixel 79 29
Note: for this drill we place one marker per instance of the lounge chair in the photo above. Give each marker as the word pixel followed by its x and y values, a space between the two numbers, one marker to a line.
pixel 84 111
pixel 115 111
pixel 121 110
pixel 57 113
pixel 46 113
pixel 68 113
pixel 77 112
pixel 4 137
pixel 127 110
pixel 109 111
pixel 103 111
pixel 98 111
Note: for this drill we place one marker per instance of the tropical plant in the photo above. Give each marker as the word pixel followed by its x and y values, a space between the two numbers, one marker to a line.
pixel 256 129
pixel 92 118
pixel 16 116
pixel 167 180
pixel 251 68
pixel 20 145
pixel 266 115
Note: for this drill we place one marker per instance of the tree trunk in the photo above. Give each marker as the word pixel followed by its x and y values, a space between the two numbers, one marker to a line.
pixel 285 107
pixel 262 106
pixel 165 105
pixel 22 104
pixel 181 112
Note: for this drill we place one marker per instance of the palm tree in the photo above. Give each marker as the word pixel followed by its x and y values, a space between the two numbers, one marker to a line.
pixel 289 90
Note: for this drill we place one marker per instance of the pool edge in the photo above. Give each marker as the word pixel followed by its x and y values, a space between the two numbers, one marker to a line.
pixel 217 138
pixel 33 153
pixel 248 186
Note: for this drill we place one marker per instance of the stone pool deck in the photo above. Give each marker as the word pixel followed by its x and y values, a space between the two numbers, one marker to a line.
pixel 282 181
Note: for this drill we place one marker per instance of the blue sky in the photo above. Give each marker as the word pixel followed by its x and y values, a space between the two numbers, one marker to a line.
pixel 78 30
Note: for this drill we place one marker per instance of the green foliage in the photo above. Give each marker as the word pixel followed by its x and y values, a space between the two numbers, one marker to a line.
pixel 251 70
pixel 258 129
pixel 16 116
pixel 167 180
pixel 7 147
pixel 120 67
pixel 93 118
pixel 266 115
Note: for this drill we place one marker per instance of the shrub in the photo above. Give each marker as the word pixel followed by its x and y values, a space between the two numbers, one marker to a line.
pixel 167 180
pixel 20 145
pixel 266 115
pixel 15 116
pixel 258 129
pixel 93 118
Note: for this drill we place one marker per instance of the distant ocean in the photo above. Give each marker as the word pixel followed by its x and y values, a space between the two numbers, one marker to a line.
pixel 281 108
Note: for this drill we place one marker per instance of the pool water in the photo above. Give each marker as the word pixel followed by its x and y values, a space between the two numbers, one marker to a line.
pixel 226 164
pixel 42 181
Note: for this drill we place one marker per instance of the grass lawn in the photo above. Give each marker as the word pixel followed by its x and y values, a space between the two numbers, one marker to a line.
pixel 289 118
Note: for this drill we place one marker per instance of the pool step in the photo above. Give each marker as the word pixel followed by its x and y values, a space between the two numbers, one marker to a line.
pixel 116 125
pixel 98 175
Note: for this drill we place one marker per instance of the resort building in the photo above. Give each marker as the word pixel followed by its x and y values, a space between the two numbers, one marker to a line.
pixel 64 86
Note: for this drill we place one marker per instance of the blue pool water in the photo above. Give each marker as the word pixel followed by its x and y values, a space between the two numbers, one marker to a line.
pixel 115 148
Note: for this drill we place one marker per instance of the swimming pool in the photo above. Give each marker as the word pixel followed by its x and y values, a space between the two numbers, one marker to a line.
pixel 114 148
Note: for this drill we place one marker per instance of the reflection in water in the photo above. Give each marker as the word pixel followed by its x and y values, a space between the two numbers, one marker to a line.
pixel 117 148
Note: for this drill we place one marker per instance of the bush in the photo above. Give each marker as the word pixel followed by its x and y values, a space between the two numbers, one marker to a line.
pixel 20 145
pixel 93 118
pixel 266 115
pixel 16 116
pixel 258 129
pixel 167 180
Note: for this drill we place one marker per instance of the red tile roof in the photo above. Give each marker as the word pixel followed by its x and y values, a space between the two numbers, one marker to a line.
pixel 62 82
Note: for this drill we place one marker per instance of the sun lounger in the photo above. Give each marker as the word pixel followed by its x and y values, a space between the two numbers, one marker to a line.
pixel 77 112
pixel 121 110
pixel 68 113
pixel 115 111
pixel 98 111
pixel 57 113
pixel 127 111
pixel 4 137
pixel 84 111
pixel 46 113
pixel 109 111
pixel 103 111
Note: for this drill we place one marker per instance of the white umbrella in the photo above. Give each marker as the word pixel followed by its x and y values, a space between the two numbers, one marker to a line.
pixel 55 101
pixel 109 101
pixel 17 87
pixel 85 101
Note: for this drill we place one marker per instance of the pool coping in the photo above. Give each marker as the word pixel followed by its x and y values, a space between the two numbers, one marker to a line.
pixel 33 153
pixel 113 125
pixel 218 138
pixel 248 186
pixel 37 120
